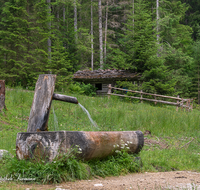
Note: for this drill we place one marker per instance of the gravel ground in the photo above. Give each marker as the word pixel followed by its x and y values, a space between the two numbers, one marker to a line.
pixel 160 180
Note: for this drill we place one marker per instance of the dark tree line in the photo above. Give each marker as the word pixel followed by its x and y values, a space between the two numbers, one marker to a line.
pixel 157 38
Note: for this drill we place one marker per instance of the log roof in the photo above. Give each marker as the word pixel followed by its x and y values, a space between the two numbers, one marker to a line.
pixel 102 75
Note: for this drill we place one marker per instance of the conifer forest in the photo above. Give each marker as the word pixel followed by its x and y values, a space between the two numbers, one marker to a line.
pixel 160 39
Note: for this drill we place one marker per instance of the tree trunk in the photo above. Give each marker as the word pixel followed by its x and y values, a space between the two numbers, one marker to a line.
pixel 133 13
pixel 100 35
pixel 157 21
pixel 67 25
pixel 28 36
pixel 49 27
pixel 64 10
pixel 198 87
pixel 157 28
pixel 64 14
pixel 57 16
pixel 2 95
pixel 106 28
pixel 75 21
pixel 92 46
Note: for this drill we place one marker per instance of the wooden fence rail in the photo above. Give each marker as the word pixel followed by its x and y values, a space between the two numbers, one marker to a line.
pixel 179 103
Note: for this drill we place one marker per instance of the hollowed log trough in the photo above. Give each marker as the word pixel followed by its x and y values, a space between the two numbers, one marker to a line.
pixel 38 143
pixel 47 145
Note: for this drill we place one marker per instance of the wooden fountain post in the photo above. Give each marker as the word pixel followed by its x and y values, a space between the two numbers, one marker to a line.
pixel 39 115
pixel 44 94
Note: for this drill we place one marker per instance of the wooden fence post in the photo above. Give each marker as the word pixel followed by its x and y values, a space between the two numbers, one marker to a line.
pixel 2 95
pixel 109 90
pixel 191 104
pixel 186 108
pixel 188 104
pixel 177 103
pixel 155 99
pixel 141 96
pixel 182 103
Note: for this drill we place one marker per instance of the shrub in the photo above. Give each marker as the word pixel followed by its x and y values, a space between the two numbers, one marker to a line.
pixel 81 88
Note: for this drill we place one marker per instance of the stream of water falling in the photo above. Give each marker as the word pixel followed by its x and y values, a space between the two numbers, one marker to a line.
pixel 89 116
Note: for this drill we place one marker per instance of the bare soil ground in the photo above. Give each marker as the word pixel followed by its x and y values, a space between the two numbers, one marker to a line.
pixel 161 180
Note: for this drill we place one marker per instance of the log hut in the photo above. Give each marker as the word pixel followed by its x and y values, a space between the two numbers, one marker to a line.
pixel 100 79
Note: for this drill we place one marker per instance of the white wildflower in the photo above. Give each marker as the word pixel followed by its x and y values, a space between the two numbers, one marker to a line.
pixel 127 147
pixel 126 144
pixel 114 145
pixel 117 145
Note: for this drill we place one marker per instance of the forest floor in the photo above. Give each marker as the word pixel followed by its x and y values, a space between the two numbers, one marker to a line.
pixel 140 181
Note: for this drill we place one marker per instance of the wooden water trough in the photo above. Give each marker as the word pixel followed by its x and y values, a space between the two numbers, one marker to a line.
pixel 40 143
pixel 49 144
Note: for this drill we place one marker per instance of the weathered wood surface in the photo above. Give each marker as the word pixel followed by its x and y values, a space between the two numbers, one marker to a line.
pixel 2 95
pixel 152 100
pixel 157 95
pixel 65 98
pixel 49 144
pixel 104 75
pixel 39 115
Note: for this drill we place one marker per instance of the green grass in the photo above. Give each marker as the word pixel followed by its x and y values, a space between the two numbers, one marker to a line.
pixel 167 126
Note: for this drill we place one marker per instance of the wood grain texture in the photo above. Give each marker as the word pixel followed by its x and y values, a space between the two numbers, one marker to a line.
pixel 39 114
pixel 65 98
pixel 93 144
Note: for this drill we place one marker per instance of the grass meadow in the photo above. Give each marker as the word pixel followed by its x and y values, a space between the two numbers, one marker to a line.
pixel 172 141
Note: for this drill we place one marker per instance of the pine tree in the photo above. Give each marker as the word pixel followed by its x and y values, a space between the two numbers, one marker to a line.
pixel 100 34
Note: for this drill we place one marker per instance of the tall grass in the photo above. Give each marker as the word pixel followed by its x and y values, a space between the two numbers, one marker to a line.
pixel 15 118
pixel 174 128
pixel 115 114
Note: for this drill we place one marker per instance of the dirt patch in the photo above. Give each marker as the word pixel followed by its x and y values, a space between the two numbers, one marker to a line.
pixel 161 144
pixel 151 142
pixel 160 180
